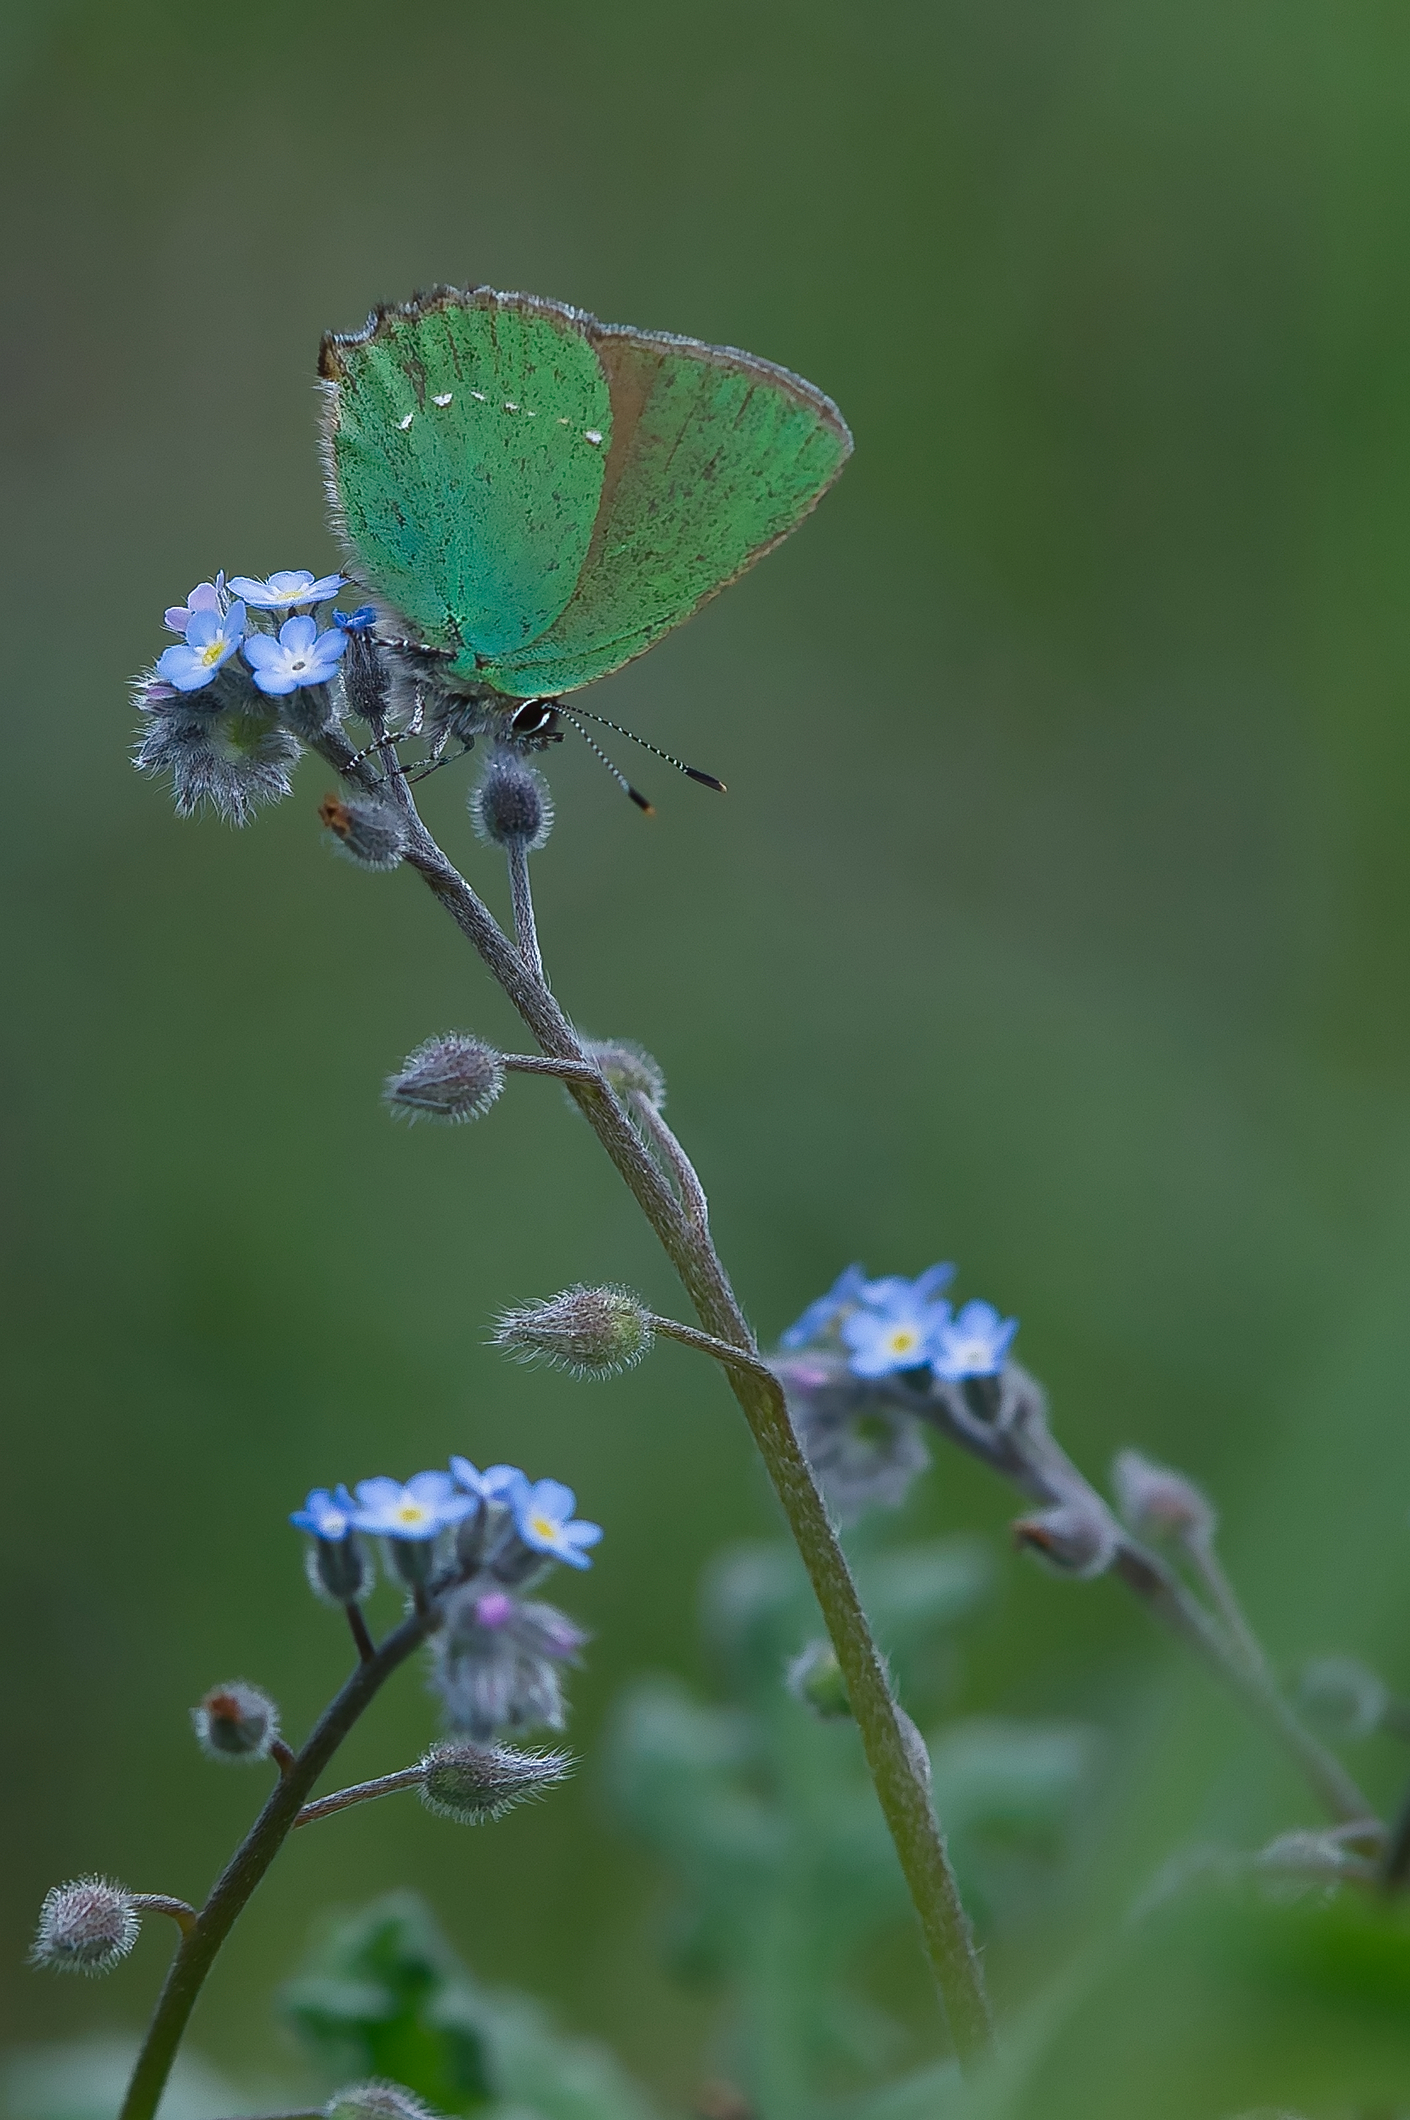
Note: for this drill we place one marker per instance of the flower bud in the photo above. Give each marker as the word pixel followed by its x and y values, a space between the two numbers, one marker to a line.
pixel 236 1721
pixel 369 832
pixel 591 1332
pixel 376 2101
pixel 339 1570
pixel 1076 1538
pixel 85 1927
pixel 1342 1697
pixel 1157 1503
pixel 474 1784
pixel 629 1068
pixel 453 1077
pixel 814 1677
pixel 364 673
pixel 511 806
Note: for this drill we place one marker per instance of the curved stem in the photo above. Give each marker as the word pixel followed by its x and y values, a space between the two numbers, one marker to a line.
pixel 158 1903
pixel 901 1789
pixel 360 1792
pixel 198 1948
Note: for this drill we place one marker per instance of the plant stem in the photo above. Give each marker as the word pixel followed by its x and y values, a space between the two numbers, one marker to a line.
pixel 360 1792
pixel 522 898
pixel 1223 1596
pixel 198 1948
pixel 366 1647
pixel 158 1903
pixel 902 1791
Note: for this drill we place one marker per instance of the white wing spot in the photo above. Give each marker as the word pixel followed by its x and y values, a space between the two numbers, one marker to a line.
pixel 593 435
pixel 565 421
pixel 480 395
pixel 404 424
pixel 531 415
pixel 510 406
pixel 443 400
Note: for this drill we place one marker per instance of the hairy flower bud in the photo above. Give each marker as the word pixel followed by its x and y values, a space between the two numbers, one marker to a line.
pixel 376 2101
pixel 1158 1503
pixel 1342 1697
pixel 340 1571
pixel 236 1721
pixel 365 675
pixel 814 1677
pixel 369 832
pixel 474 1784
pixel 85 1927
pixel 452 1077
pixel 629 1068
pixel 510 805
pixel 1075 1537
pixel 592 1332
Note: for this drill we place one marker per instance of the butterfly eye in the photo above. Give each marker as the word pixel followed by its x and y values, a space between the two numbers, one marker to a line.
pixel 535 718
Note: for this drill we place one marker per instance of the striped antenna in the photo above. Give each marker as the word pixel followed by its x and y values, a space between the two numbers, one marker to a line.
pixel 707 780
pixel 595 747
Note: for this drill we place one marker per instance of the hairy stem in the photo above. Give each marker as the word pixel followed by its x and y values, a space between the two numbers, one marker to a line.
pixel 158 1903
pixel 692 1192
pixel 522 898
pixel 199 1947
pixel 360 1792
pixel 1225 1600
pixel 901 1788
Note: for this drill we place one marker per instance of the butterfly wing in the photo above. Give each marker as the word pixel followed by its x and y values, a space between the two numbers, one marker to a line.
pixel 715 456
pixel 460 464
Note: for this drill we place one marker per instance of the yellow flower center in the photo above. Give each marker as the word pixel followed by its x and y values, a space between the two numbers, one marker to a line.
pixel 411 1513
pixel 543 1527
pixel 213 653
pixel 904 1340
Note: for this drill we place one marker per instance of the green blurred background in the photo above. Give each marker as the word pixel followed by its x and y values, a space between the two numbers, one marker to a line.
pixel 1056 920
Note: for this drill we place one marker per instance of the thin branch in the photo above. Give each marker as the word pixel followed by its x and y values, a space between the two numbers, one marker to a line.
pixel 902 1791
pixel 692 1192
pixel 366 1647
pixel 158 1903
pixel 522 899
pixel 360 1792
pixel 1022 1450
pixel 565 1070
pixel 706 1343
pixel 282 1755
pixel 1210 1569
pixel 197 1952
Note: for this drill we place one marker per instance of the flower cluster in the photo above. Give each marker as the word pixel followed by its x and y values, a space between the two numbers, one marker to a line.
pixel 855 1363
pixel 476 1541
pixel 224 708
pixel 894 1327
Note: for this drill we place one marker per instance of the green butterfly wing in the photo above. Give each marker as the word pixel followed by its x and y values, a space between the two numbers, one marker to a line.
pixel 539 578
pixel 460 466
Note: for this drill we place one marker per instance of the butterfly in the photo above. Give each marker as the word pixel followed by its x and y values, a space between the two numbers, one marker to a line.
pixel 536 498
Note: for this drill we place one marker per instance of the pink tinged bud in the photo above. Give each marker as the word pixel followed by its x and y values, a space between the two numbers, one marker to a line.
pixel 1076 1538
pixel 236 1721
pixel 495 1609
pixel 1158 1503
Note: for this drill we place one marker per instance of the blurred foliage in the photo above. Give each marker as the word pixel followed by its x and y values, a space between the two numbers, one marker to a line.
pixel 1056 920
pixel 385 1996
pixel 764 1813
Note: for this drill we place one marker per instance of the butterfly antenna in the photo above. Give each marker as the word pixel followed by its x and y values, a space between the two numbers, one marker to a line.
pixel 617 774
pixel 707 780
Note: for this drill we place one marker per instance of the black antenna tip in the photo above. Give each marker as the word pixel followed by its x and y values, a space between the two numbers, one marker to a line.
pixel 640 800
pixel 707 780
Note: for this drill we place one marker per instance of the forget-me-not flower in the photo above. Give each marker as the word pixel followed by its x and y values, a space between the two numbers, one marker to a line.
pixel 328 1516
pixel 285 591
pixel 211 640
pixel 429 1502
pixel 543 1518
pixel 820 1315
pixel 974 1344
pixel 360 621
pixel 206 596
pixel 894 1328
pixel 894 1288
pixel 300 656
pixel 497 1483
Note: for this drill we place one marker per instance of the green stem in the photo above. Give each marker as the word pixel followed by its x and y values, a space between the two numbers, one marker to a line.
pixel 201 1943
pixel 901 1788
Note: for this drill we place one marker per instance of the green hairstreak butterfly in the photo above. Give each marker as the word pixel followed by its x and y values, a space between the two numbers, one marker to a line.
pixel 541 497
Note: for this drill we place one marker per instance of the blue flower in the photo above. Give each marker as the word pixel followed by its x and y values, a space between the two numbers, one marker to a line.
pixel 210 641
pixel 498 1483
pixel 427 1504
pixel 819 1316
pixel 974 1344
pixel 326 1515
pixel 894 1288
pixel 206 596
pixel 543 1518
pixel 281 592
pixel 360 621
pixel 301 655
